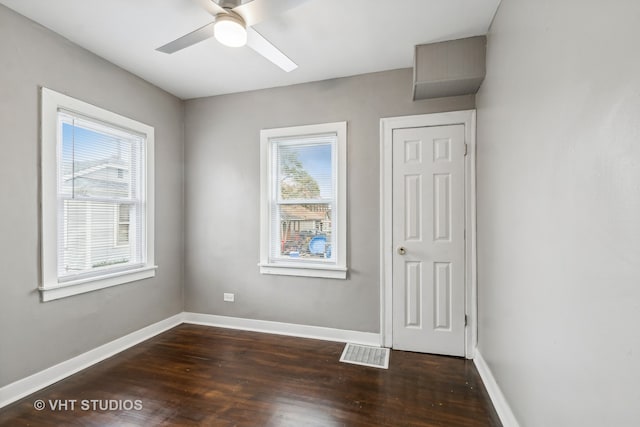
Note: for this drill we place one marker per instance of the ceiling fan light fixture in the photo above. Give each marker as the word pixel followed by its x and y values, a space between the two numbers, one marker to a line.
pixel 229 29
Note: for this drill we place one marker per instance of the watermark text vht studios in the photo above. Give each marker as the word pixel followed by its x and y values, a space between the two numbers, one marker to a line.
pixel 88 405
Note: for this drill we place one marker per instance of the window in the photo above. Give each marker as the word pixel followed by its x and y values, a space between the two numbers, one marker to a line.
pixel 303 197
pixel 97 198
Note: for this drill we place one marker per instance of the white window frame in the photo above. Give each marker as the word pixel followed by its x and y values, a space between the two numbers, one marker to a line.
pixel 337 270
pixel 50 287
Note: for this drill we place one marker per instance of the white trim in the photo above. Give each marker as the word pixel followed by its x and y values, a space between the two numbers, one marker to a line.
pixel 81 286
pixel 279 328
pixel 50 286
pixel 334 271
pixel 24 387
pixel 317 270
pixel 387 125
pixel 470 245
pixel 500 403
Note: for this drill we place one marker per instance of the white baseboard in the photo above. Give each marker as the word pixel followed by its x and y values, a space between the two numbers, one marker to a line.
pixel 31 384
pixel 497 398
pixel 302 331
pixel 24 387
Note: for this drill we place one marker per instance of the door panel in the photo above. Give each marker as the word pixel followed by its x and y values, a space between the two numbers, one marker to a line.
pixel 428 239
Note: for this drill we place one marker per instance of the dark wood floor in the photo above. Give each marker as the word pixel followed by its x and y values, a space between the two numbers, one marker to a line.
pixel 202 376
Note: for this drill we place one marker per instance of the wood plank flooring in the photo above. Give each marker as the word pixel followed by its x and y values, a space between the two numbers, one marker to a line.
pixel 201 376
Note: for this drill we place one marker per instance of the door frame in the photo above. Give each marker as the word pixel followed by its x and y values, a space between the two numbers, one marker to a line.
pixel 387 126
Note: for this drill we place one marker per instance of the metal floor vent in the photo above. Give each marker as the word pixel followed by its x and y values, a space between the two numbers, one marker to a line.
pixel 365 355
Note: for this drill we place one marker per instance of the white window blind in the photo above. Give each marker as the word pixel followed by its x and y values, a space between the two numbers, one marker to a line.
pixel 101 200
pixel 303 203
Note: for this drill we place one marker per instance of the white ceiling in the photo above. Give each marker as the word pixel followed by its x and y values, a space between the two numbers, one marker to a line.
pixel 326 38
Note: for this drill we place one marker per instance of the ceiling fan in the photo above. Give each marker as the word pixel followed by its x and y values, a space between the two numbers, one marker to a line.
pixel 233 27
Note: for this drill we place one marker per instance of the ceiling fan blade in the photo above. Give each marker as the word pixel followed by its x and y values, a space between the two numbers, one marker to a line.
pixel 261 45
pixel 259 10
pixel 190 39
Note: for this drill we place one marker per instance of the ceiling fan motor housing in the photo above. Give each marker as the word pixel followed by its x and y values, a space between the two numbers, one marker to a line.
pixel 228 4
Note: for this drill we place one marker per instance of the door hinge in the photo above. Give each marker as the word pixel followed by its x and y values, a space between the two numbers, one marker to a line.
pixel 466 148
pixel 465 320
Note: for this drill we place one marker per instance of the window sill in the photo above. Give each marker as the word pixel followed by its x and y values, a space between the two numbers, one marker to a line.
pixel 75 287
pixel 321 271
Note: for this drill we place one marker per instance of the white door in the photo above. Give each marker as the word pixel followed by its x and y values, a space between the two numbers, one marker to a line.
pixel 428 240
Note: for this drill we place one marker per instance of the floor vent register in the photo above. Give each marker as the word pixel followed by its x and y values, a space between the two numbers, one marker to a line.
pixel 365 355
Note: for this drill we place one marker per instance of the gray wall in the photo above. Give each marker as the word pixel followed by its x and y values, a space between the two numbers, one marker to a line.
pixel 223 197
pixel 559 210
pixel 35 335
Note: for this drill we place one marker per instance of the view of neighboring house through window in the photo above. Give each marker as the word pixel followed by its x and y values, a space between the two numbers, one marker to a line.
pixel 303 198
pixel 122 232
pixel 99 175
pixel 97 190
pixel 305 187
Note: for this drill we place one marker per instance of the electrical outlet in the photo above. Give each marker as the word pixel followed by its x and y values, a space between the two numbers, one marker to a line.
pixel 229 297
